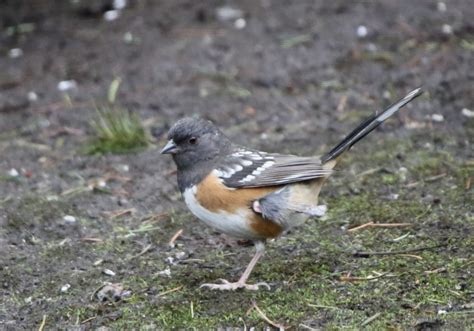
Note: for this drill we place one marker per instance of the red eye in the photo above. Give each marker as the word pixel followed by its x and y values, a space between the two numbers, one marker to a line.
pixel 193 140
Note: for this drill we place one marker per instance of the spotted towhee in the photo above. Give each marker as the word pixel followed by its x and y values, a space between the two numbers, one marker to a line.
pixel 251 194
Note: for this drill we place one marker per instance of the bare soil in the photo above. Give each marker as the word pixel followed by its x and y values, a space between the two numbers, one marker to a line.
pixel 295 78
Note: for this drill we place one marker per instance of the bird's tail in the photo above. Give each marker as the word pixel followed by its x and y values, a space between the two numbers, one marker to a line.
pixel 368 125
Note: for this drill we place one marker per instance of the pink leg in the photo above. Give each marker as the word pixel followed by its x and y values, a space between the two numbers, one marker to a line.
pixel 226 285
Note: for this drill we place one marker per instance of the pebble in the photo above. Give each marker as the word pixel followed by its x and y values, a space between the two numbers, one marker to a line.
pixel 227 13
pixel 111 15
pixel 32 96
pixel 447 29
pixel 128 37
pixel 67 85
pixel 13 172
pixel 240 23
pixel 437 117
pixel 111 292
pixel 15 53
pixel 69 219
pixel 108 272
pixel 467 112
pixel 362 31
pixel 166 272
pixel 119 4
pixel 65 288
pixel 393 196
pixel 441 6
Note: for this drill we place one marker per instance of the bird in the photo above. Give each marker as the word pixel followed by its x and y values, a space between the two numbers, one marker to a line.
pixel 251 194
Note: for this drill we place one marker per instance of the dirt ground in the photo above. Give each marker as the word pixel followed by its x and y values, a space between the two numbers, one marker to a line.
pixel 279 77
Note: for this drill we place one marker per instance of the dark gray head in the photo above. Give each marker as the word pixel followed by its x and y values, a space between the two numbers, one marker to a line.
pixel 195 143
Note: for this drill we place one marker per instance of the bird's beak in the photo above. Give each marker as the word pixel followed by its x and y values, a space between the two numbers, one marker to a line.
pixel 170 147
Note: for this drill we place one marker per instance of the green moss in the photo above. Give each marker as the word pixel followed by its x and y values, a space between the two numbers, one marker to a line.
pixel 117 131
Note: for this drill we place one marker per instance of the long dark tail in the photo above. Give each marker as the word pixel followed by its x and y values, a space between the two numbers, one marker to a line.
pixel 368 125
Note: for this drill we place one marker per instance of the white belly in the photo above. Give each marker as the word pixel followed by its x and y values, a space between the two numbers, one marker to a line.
pixel 235 225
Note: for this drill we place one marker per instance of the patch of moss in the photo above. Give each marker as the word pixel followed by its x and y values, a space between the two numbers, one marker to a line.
pixel 117 130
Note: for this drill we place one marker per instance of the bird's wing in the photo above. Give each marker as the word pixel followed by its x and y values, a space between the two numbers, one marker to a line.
pixel 249 168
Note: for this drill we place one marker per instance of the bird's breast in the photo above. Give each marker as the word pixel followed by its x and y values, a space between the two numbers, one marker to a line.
pixel 229 210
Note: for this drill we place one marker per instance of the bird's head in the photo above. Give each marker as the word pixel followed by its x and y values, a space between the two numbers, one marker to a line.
pixel 194 140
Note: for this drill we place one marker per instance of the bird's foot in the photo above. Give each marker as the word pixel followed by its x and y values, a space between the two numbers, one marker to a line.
pixel 228 286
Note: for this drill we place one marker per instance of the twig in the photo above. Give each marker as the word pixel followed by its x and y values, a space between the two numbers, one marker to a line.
pixel 342 103
pixel 468 183
pixel 435 178
pixel 322 306
pixel 369 172
pixel 170 291
pixel 118 213
pixel 401 237
pixel 144 250
pixel 89 319
pixel 412 255
pixel 307 327
pixel 174 237
pixel 370 319
pixel 435 271
pixel 91 239
pixel 419 249
pixel 379 225
pixel 265 318
pixel 349 278
pixel 43 323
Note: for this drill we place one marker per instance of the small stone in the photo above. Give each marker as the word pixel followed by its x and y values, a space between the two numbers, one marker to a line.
pixel 108 272
pixel 67 85
pixel 240 23
pixel 180 255
pixel 111 15
pixel 69 219
pixel 393 196
pixel 372 48
pixel 15 53
pixel 166 272
pixel 362 31
pixel 437 118
pixel 119 4
pixel 128 37
pixel 110 292
pixel 98 262
pixel 447 29
pixel 65 288
pixel 467 112
pixel 32 96
pixel 227 13
pixel 441 6
pixel 170 259
pixel 442 312
pixel 13 172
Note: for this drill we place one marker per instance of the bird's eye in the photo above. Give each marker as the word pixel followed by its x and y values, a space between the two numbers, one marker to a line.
pixel 193 140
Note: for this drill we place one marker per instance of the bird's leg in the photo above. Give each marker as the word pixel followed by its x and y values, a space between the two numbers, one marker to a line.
pixel 241 283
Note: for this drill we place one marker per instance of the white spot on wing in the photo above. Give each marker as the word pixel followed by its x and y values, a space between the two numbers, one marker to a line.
pixel 247 178
pixel 255 157
pixel 229 171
